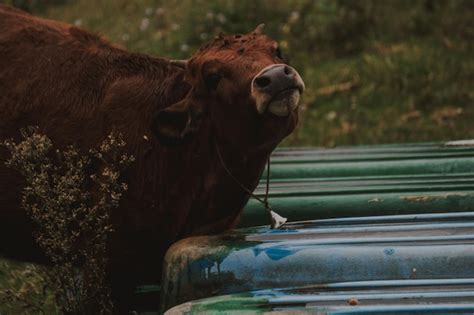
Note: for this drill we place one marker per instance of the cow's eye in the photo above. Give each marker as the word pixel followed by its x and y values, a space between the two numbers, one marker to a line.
pixel 282 56
pixel 212 81
pixel 278 53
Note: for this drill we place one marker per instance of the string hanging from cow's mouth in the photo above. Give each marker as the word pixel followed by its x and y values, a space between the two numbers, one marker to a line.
pixel 276 220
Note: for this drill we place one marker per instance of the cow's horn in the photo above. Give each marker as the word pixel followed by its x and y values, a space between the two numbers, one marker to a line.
pixel 179 63
pixel 259 29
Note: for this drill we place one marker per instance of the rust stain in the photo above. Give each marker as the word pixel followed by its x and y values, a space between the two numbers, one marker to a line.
pixel 353 301
pixel 419 198
pixel 190 249
pixel 461 143
pixel 431 198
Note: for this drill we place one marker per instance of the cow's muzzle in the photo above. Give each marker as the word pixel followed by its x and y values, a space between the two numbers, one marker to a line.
pixel 277 88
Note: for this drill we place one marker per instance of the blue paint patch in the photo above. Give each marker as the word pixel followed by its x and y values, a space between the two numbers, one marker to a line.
pixel 277 253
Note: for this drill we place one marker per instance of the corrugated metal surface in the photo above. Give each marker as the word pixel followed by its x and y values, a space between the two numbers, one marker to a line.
pixel 369 255
pixel 371 297
pixel 367 180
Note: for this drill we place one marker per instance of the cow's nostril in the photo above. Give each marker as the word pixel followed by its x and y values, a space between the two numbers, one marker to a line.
pixel 287 70
pixel 262 82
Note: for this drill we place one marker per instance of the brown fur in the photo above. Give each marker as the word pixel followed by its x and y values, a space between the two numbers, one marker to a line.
pixel 77 87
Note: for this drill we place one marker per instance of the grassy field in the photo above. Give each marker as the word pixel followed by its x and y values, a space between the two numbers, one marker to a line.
pixel 28 292
pixel 375 71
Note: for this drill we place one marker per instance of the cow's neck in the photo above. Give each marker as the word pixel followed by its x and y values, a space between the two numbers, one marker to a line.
pixel 220 199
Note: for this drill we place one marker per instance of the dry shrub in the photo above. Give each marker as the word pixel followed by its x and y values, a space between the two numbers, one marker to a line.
pixel 69 195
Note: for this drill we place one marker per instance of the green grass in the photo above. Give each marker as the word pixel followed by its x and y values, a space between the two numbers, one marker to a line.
pixel 406 92
pixel 23 280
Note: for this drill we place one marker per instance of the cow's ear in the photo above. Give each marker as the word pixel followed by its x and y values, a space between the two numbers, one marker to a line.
pixel 177 122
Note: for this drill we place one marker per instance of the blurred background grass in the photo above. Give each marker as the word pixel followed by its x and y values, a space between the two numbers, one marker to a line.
pixel 376 71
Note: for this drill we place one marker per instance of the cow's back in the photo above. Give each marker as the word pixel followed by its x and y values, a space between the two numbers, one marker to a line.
pixel 75 86
pixel 65 79
pixel 46 68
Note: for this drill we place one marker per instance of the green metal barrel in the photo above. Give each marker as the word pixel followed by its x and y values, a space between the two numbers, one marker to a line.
pixel 366 180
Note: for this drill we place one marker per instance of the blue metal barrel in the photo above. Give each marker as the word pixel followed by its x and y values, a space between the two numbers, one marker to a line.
pixel 374 260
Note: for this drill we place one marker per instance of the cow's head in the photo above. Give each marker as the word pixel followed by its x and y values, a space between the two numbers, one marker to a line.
pixel 242 87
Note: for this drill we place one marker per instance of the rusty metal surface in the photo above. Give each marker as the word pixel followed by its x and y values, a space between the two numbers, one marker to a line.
pixel 367 180
pixel 318 253
pixel 441 296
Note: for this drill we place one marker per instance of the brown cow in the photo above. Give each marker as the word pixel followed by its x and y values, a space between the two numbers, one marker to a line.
pixel 236 93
